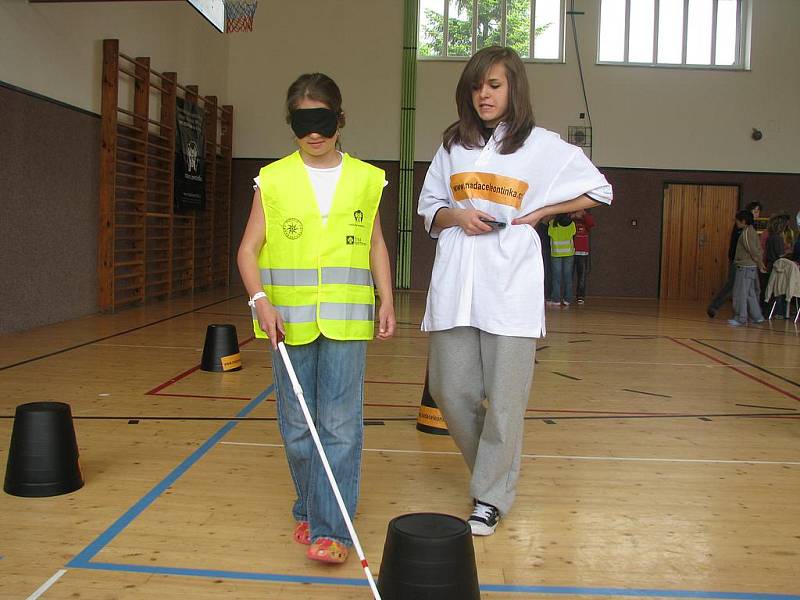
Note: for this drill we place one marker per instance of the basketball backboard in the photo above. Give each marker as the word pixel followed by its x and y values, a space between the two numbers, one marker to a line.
pixel 212 10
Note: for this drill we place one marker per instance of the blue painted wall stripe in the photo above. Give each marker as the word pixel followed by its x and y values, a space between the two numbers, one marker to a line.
pixel 82 559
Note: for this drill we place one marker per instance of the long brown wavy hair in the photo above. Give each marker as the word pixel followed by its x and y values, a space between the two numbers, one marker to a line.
pixel 468 130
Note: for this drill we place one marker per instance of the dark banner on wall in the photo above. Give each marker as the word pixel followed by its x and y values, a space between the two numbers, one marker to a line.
pixel 190 161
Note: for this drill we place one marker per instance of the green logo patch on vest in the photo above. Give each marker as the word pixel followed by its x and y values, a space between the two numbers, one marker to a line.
pixel 292 228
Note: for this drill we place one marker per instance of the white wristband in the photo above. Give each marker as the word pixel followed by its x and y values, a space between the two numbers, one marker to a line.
pixel 256 296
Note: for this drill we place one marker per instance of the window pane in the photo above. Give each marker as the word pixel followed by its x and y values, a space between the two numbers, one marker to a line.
pixel 431 27
pixel 670 31
pixel 488 23
pixel 726 33
pixel 518 26
pixel 459 28
pixel 612 31
pixel 640 38
pixel 698 33
pixel 547 20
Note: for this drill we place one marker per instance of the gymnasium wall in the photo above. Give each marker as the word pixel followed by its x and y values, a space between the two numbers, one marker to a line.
pixel 55 49
pixel 50 67
pixel 650 125
pixel 643 117
pixel 48 192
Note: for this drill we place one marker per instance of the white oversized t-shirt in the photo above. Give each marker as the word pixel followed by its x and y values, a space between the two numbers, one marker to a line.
pixel 495 281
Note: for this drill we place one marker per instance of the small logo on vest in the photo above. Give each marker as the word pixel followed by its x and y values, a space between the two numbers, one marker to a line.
pixel 292 228
pixel 352 240
pixel 358 216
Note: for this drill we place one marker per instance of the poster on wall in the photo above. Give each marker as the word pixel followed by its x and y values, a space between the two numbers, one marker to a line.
pixel 190 192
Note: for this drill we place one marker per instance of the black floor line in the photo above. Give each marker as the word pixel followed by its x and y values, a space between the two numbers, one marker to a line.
pixel 740 359
pixel 567 376
pixel 645 393
pixel 675 416
pixel 113 335
pixel 388 419
pixel 772 407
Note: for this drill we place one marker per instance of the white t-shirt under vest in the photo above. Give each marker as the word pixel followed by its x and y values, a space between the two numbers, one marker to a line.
pixel 495 281
pixel 323 182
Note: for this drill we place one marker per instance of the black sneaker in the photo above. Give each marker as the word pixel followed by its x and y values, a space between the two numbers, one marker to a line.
pixel 711 312
pixel 484 519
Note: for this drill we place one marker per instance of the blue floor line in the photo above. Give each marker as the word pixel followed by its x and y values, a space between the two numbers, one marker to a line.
pixel 514 589
pixel 114 530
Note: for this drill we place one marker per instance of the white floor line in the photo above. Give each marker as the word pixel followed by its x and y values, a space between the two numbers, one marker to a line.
pixel 558 456
pixel 47 585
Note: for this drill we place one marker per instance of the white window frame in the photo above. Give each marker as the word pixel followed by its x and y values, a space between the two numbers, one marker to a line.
pixel 446 10
pixel 743 33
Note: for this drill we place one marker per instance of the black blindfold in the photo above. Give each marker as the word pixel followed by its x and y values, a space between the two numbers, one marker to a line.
pixel 314 120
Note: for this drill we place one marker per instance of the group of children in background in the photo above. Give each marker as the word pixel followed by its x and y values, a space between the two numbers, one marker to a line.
pixel 565 251
pixel 754 257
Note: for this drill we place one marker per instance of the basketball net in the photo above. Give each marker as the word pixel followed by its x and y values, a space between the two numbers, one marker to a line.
pixel 239 15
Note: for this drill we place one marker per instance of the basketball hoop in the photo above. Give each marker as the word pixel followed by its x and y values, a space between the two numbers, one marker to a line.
pixel 239 15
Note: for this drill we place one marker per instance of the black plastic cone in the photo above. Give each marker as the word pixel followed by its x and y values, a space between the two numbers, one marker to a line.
pixel 429 418
pixel 221 349
pixel 43 457
pixel 428 556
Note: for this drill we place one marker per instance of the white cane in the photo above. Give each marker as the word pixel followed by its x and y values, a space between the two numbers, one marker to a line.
pixel 298 391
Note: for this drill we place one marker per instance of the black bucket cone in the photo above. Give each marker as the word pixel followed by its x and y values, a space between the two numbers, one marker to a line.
pixel 221 350
pixel 43 457
pixel 429 418
pixel 428 556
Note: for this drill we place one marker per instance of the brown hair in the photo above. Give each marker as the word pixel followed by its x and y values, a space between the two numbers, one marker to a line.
pixel 467 131
pixel 315 86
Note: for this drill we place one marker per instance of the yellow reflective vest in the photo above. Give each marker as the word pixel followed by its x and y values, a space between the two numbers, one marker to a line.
pixel 318 276
pixel 561 244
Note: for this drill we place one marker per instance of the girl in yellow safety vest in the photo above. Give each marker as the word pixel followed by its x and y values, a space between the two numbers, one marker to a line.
pixel 311 257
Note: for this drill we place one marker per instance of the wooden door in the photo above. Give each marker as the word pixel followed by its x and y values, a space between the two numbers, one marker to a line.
pixel 697 221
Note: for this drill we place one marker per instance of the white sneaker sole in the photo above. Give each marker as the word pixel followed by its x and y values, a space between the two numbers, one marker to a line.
pixel 479 528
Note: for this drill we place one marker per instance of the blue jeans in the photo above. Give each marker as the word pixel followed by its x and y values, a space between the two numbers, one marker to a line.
pixel 562 278
pixel 331 374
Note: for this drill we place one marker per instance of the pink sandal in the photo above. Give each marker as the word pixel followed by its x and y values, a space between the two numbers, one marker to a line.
pixel 301 534
pixel 328 551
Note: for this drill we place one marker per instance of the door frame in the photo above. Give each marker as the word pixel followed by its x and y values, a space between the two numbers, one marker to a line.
pixel 664 184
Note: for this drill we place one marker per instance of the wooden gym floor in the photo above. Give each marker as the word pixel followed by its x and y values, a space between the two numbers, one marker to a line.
pixel 662 460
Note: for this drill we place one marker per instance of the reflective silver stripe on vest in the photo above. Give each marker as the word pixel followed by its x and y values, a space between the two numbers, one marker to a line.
pixel 289 277
pixel 298 314
pixel 346 275
pixel 346 312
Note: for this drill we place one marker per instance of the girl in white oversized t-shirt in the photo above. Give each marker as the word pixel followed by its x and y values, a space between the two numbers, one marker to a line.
pixel 493 179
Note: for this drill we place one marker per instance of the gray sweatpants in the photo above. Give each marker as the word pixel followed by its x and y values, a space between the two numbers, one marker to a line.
pixel 466 367
pixel 745 295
